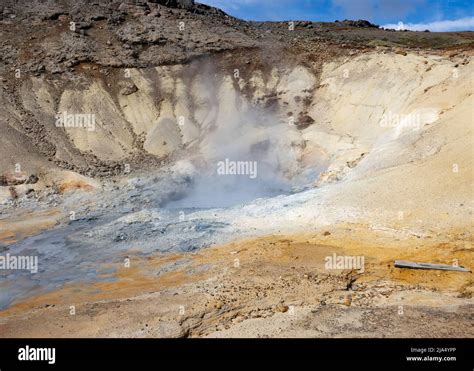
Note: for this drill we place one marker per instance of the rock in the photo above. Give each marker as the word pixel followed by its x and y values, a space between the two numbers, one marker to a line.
pixel 128 88
pixel 32 179
pixel 185 4
pixel 348 300
pixel 13 192
pixel 12 179
pixel 361 23
pixel 121 237
pixel 29 191
pixel 282 308
pixel 329 176
pixel 216 304
pixel 304 121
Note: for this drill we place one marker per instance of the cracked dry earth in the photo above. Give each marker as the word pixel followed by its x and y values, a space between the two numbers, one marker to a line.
pixel 273 286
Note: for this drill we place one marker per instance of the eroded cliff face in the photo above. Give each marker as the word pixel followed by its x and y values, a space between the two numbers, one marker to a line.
pixel 151 83
pixel 353 117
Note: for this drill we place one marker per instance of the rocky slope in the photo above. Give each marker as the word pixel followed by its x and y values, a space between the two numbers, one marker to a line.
pixel 101 59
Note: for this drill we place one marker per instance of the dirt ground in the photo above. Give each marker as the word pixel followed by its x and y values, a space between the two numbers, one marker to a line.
pixel 273 286
pixel 26 223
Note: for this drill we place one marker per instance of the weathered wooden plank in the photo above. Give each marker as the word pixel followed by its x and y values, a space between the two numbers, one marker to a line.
pixel 445 267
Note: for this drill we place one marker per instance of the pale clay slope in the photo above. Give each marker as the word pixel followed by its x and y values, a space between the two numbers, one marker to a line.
pixel 407 170
pixel 390 169
pixel 352 105
pixel 417 180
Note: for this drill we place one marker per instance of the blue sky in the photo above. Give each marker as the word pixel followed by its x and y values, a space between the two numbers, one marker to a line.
pixel 435 15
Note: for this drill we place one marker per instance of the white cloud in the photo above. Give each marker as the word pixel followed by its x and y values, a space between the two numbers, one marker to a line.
pixel 462 24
